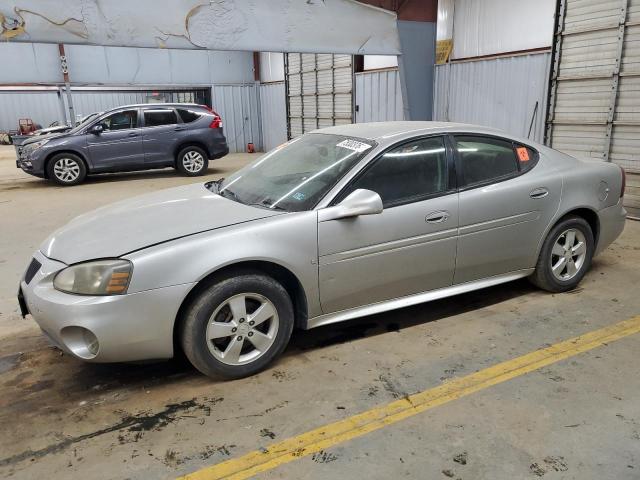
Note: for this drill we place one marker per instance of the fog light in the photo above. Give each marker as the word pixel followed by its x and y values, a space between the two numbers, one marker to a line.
pixel 26 164
pixel 81 342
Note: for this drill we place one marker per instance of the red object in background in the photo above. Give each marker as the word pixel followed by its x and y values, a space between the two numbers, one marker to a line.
pixel 26 126
pixel 251 148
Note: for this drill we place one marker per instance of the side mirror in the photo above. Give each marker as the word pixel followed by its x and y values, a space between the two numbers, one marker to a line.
pixel 97 129
pixel 359 202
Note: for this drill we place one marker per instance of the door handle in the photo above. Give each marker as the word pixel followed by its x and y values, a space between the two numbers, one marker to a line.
pixel 539 192
pixel 437 217
pixel 179 129
pixel 133 134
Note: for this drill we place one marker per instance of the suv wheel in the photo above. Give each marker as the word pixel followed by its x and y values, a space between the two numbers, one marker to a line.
pixel 66 169
pixel 192 161
pixel 236 327
pixel 565 256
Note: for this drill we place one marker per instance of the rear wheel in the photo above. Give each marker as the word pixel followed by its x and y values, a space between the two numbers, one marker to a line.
pixel 192 161
pixel 236 327
pixel 565 256
pixel 66 169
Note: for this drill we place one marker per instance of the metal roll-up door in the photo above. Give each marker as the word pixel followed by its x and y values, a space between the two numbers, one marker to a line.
pixel 319 91
pixel 594 103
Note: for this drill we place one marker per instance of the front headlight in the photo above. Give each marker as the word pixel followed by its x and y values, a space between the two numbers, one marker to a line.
pixel 100 277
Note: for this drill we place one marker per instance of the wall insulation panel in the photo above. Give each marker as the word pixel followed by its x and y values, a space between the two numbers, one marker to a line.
pixel 594 103
pixel 319 91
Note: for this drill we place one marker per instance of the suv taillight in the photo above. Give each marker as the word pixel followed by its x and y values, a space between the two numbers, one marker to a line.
pixel 624 182
pixel 217 119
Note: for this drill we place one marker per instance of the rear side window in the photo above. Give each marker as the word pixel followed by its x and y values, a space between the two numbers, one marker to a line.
pixel 406 173
pixel 484 159
pixel 187 116
pixel 155 118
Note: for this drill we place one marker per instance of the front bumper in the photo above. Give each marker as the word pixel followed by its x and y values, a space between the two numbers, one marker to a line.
pixel 30 160
pixel 132 327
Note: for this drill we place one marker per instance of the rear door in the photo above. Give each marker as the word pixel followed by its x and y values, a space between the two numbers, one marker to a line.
pixel 505 206
pixel 119 145
pixel 159 135
pixel 408 248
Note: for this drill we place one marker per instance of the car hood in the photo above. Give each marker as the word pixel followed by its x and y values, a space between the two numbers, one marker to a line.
pixel 139 222
pixel 47 136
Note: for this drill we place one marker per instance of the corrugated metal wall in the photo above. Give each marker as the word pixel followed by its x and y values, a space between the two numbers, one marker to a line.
pixel 86 102
pixel 499 92
pixel 240 110
pixel 274 114
pixel 43 107
pixel 378 96
pixel 595 94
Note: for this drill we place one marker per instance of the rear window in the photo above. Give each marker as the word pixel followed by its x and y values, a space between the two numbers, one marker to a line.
pixel 154 118
pixel 188 116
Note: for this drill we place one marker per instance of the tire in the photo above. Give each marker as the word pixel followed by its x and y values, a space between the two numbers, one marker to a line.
pixel 570 267
pixel 192 161
pixel 232 353
pixel 66 169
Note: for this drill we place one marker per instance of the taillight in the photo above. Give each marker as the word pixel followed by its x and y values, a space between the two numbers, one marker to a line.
pixel 217 119
pixel 624 182
pixel 216 122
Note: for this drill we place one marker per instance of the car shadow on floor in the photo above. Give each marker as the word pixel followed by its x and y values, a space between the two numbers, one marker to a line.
pixel 108 376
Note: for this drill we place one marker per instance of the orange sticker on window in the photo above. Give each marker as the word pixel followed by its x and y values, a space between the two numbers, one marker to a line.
pixel 523 154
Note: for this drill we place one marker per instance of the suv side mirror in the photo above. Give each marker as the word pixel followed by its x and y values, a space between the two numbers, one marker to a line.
pixel 359 202
pixel 97 129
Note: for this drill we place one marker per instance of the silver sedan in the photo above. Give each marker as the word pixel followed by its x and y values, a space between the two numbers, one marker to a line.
pixel 340 223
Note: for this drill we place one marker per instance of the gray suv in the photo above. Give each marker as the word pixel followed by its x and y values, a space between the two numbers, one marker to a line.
pixel 133 137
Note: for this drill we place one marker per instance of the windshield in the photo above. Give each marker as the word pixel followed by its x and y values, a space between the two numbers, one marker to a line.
pixel 84 122
pixel 296 175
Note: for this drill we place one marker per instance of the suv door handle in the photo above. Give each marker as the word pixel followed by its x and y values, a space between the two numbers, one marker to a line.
pixel 539 192
pixel 133 134
pixel 437 217
pixel 178 129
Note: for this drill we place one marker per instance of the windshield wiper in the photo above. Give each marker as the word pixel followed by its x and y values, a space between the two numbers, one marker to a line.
pixel 267 204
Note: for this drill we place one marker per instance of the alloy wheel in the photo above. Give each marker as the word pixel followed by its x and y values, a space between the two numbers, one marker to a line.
pixel 193 161
pixel 66 170
pixel 568 254
pixel 242 329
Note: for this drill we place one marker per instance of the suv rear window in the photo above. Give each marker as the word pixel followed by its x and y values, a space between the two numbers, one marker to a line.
pixel 154 118
pixel 188 116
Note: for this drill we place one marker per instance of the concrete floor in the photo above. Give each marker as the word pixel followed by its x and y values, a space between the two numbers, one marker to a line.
pixel 577 419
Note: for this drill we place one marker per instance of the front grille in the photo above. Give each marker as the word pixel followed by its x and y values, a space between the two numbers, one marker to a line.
pixel 32 269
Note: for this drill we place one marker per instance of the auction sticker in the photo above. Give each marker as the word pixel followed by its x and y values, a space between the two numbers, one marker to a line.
pixel 354 145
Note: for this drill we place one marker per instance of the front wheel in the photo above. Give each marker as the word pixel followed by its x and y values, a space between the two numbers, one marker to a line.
pixel 236 327
pixel 192 161
pixel 565 256
pixel 66 169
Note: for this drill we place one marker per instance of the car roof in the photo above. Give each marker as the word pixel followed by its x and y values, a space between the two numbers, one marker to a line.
pixel 382 132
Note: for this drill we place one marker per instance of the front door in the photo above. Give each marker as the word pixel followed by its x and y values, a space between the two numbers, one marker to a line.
pixel 505 206
pixel 119 145
pixel 408 248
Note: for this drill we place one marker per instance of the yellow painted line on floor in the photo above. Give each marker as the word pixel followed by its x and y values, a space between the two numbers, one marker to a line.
pixel 358 425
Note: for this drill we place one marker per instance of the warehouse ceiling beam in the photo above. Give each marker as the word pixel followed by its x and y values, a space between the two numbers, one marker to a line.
pixel 316 26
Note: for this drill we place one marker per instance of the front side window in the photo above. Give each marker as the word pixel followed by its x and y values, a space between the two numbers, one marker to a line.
pixel 484 159
pixel 296 175
pixel 156 118
pixel 121 120
pixel 406 173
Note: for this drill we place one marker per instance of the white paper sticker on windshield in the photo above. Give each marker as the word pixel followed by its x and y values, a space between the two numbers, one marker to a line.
pixel 353 145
